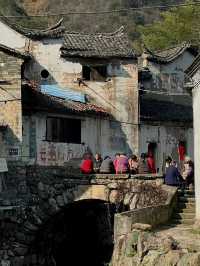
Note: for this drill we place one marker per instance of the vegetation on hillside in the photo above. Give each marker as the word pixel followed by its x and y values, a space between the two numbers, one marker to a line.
pixel 176 26
pixel 151 27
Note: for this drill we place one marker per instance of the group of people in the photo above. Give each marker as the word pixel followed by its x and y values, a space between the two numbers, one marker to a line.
pixel 120 164
pixel 180 178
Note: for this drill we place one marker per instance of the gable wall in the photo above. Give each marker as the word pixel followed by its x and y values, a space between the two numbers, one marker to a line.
pixel 11 38
pixel 119 96
pixel 169 77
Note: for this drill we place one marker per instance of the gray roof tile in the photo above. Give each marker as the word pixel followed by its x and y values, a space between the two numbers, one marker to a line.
pixel 97 45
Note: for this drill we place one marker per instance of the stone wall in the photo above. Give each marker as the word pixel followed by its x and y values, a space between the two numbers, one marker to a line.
pixel 131 242
pixel 10 106
pixel 153 215
pixel 36 194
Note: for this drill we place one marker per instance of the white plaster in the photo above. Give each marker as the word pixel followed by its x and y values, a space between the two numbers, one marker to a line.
pixel 167 138
pixel 196 117
pixel 95 133
pixel 11 38
pixel 170 77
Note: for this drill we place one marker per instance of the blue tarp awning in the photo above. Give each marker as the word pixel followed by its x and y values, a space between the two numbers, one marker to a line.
pixel 67 94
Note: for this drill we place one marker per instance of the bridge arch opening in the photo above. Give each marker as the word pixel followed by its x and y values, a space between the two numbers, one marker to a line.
pixel 81 234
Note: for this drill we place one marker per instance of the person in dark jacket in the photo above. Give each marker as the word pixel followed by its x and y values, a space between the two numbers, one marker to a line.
pixel 97 162
pixel 173 176
pixel 107 166
pixel 143 166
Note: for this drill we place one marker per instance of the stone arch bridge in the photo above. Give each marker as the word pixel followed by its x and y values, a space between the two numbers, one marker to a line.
pixel 38 200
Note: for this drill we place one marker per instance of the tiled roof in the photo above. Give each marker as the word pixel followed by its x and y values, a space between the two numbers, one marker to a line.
pixel 153 110
pixel 14 52
pixel 34 100
pixel 55 31
pixel 97 45
pixel 194 67
pixel 168 55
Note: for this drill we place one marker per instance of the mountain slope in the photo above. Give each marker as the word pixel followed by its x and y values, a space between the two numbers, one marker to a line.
pixel 90 22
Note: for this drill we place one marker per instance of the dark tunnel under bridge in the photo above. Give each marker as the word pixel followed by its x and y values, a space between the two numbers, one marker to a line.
pixel 81 234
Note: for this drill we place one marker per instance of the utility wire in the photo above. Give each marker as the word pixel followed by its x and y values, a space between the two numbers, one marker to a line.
pixel 9 93
pixel 106 11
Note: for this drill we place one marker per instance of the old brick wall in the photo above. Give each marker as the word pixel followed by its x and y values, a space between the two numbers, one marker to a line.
pixel 10 104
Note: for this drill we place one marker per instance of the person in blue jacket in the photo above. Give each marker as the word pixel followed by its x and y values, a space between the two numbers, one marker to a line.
pixel 173 176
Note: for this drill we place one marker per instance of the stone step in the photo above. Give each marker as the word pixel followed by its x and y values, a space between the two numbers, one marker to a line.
pixel 183 221
pixel 186 205
pixel 184 215
pixel 186 199
pixel 185 210
pixel 186 195
pixel 186 192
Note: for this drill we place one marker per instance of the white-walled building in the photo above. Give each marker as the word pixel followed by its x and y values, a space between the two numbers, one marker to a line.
pixel 99 70
pixel 193 83
pixel 165 105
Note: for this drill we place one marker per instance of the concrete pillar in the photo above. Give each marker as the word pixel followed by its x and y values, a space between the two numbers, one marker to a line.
pixel 196 119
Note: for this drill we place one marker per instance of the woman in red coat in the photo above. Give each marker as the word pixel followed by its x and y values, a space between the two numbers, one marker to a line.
pixel 151 163
pixel 87 164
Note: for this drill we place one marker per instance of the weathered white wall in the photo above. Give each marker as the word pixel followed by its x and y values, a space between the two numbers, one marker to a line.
pixel 11 38
pixel 196 124
pixel 119 95
pixel 95 133
pixel 167 138
pixel 170 77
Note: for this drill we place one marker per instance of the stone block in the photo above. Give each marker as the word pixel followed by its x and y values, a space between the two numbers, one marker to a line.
pixel 142 227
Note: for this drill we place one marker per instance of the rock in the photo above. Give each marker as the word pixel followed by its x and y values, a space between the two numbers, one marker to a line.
pixel 20 250
pixel 134 201
pixel 170 259
pixel 30 226
pixel 53 205
pixel 190 259
pixel 60 201
pixel 120 257
pixel 168 243
pixel 40 186
pixel 127 198
pixel 5 263
pixel 112 185
pixel 142 227
pixel 151 258
pixel 131 243
pixel 115 196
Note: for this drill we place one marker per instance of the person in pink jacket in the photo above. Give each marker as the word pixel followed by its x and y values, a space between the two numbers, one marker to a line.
pixel 122 165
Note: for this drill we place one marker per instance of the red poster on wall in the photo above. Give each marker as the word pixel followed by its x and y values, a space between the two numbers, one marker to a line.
pixel 181 151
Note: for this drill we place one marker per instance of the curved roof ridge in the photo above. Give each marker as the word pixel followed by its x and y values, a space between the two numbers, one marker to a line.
pixel 118 32
pixel 55 31
pixel 171 53
pixel 181 45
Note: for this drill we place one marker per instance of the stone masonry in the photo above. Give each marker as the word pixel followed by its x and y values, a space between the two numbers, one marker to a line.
pixel 38 193
pixel 10 102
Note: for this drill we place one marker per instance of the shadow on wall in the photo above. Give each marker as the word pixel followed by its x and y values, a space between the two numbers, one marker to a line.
pixel 11 145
